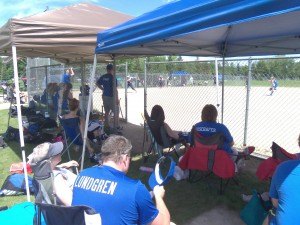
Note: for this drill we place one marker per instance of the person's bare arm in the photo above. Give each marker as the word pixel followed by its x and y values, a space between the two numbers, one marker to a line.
pixel 71 71
pixel 68 164
pixel 163 217
pixel 274 202
pixel 171 133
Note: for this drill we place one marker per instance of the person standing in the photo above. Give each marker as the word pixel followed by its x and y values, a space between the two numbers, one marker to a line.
pixel 105 83
pixel 118 198
pixel 67 76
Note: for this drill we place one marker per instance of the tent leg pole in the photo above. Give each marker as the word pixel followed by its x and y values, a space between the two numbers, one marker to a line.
pixel 88 110
pixel 247 101
pixel 145 84
pixel 16 78
pixel 126 89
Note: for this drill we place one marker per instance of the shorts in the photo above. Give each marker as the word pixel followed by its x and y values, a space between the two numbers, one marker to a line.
pixel 108 104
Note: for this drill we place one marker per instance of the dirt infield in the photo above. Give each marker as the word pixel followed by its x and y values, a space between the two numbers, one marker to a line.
pixel 271 118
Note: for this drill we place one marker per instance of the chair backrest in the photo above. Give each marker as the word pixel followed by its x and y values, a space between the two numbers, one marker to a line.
pixel 213 142
pixel 205 155
pixel 72 129
pixel 43 182
pixel 281 154
pixel 156 147
pixel 66 215
pixel 159 132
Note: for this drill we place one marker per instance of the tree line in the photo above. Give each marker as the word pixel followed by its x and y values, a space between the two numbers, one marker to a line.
pixel 280 68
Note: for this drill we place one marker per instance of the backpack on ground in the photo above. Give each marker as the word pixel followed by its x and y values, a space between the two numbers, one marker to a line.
pixel 11 134
pixel 15 185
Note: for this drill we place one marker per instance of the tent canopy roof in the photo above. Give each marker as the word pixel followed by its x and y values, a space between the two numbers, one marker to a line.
pixel 209 28
pixel 67 34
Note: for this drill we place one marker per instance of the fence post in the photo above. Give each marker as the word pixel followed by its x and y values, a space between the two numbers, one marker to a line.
pixel 217 82
pixel 46 90
pixel 248 83
pixel 223 81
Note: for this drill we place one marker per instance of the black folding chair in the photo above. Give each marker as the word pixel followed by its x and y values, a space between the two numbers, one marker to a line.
pixel 66 215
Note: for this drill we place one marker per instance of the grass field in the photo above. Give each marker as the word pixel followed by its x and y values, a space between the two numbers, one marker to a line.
pixel 185 200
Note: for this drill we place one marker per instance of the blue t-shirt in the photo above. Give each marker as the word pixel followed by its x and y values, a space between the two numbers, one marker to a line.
pixel 118 198
pixel 207 129
pixel 285 187
pixel 106 81
pixel 66 78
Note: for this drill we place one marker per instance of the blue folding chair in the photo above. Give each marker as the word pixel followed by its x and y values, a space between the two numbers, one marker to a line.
pixel 72 133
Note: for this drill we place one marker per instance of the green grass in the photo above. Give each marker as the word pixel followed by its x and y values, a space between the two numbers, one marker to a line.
pixel 185 200
pixel 256 83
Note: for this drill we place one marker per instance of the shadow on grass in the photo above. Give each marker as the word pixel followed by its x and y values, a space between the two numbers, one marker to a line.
pixel 185 200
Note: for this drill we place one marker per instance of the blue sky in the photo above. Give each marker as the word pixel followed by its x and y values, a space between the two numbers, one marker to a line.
pixel 22 8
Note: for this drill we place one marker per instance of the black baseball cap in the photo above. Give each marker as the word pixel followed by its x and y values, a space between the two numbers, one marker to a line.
pixel 109 66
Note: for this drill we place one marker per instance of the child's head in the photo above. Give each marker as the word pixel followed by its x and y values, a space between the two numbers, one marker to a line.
pixel 73 104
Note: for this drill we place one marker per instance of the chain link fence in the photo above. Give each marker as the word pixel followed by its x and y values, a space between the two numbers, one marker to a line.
pixel 253 115
pixel 41 72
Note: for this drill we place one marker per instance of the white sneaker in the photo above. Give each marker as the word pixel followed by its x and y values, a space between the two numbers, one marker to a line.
pixel 178 173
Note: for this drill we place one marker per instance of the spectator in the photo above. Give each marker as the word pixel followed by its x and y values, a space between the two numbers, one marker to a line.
pixel 64 95
pixel 63 178
pixel 67 76
pixel 105 83
pixel 118 198
pixel 157 119
pixel 209 126
pixel 74 109
pixel 284 193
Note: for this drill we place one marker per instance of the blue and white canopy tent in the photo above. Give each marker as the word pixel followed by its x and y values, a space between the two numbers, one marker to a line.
pixel 216 28
pixel 224 28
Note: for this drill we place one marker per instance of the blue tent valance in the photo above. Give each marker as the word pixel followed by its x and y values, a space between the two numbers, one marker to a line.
pixel 209 28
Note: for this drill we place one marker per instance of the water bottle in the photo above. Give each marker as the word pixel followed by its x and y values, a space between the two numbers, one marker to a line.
pixel 46 115
pixel 146 169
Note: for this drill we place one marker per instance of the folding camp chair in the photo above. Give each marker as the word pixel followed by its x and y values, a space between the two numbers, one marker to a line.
pixel 155 147
pixel 204 156
pixel 43 182
pixel 266 168
pixel 66 215
pixel 72 133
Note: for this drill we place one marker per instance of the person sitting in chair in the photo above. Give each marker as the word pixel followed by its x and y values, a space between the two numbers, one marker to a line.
pixel 156 121
pixel 209 126
pixel 73 114
pixel 63 178
pixel 284 193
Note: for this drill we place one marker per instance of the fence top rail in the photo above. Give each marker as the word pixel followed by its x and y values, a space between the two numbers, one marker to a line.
pixel 37 67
